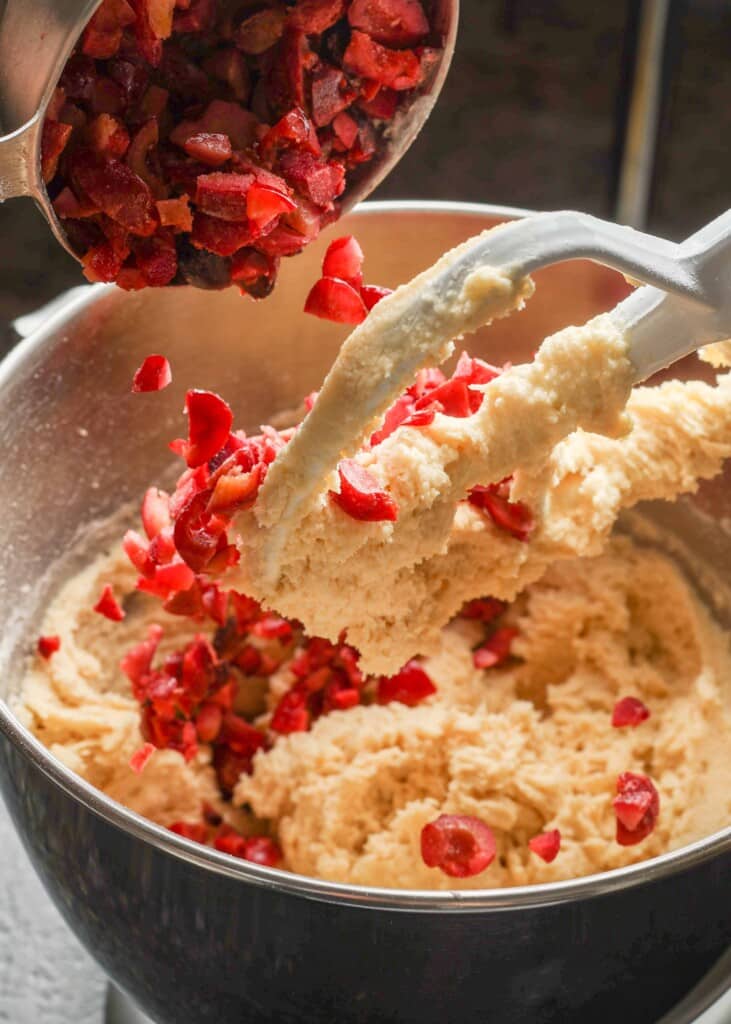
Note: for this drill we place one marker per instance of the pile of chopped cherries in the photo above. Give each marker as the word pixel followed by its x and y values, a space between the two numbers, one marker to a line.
pixel 199 141
pixel 213 690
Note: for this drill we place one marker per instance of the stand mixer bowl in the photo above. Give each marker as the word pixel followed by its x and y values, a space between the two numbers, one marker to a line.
pixel 189 933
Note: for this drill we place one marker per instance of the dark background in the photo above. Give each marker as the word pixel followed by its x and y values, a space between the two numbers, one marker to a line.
pixel 531 115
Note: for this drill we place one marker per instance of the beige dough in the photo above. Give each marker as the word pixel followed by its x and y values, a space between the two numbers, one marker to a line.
pixel 525 747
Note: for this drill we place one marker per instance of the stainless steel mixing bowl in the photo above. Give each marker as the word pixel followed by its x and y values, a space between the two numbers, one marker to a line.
pixel 192 935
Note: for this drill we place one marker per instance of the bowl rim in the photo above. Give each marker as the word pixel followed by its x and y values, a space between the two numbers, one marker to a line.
pixel 284 882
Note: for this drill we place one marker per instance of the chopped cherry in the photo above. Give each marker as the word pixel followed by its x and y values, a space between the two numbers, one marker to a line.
pixel 636 806
pixel 410 686
pixel 140 757
pixel 153 375
pixel 291 714
pixel 496 650
pixel 137 662
pixel 208 722
pixel 629 711
pixel 361 496
pixel 396 69
pixel 453 398
pixel 262 850
pixel 230 842
pixel 459 845
pixel 546 845
pixel 332 299
pixel 344 260
pixel 209 424
pixel 212 148
pixel 390 22
pixel 264 204
pixel 483 608
pixel 155 511
pixel 108 606
pixel 513 517
pixel 223 195
pixel 190 830
pixel 372 295
pixel 48 645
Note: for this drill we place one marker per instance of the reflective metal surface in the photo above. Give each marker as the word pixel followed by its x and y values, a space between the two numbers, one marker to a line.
pixel 36 39
pixel 192 934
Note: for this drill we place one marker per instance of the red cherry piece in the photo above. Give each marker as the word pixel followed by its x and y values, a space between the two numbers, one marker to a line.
pixel 361 496
pixel 295 128
pixel 475 371
pixel 223 195
pixel 451 398
pixel 208 722
pixel 137 550
pixel 636 806
pixel 263 204
pixel 221 237
pixel 344 260
pixel 262 850
pixel 396 69
pixel 496 650
pixel 372 295
pixel 48 645
pixel 108 606
pixel 155 511
pixel 101 263
pixel 410 686
pixel 346 129
pixel 382 106
pixel 232 843
pixel 459 845
pixel 629 712
pixel 190 830
pixel 513 517
pixel 196 538
pixel 157 259
pixel 103 34
pixel 313 177
pixel 483 608
pixel 140 757
pixel 391 22
pixel 209 147
pixel 332 299
pixel 167 580
pixel 546 845
pixel 115 189
pixel 291 714
pixel 137 662
pixel 331 94
pixel 209 424
pixel 154 374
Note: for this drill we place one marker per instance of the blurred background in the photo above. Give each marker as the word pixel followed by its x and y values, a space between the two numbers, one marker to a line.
pixel 534 113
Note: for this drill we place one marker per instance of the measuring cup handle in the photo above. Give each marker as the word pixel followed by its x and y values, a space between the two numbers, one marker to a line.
pixel 18 160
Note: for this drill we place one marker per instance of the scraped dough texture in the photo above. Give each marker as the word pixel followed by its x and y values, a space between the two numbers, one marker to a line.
pixel 395 584
pixel 525 747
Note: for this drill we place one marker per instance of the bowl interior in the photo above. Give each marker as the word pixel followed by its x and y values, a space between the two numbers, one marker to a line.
pixel 77 445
